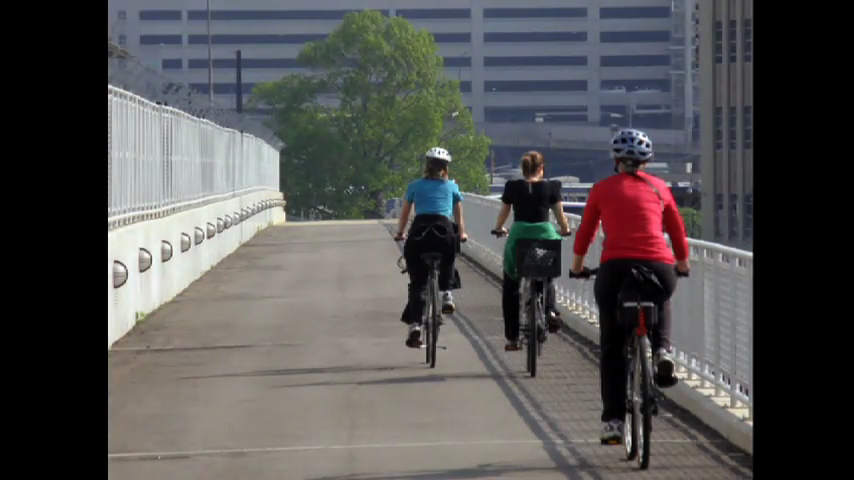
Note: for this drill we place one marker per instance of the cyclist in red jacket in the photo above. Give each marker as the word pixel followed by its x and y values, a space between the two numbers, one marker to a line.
pixel 633 206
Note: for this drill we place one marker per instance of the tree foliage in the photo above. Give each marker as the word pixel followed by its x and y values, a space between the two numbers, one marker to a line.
pixel 356 127
pixel 693 224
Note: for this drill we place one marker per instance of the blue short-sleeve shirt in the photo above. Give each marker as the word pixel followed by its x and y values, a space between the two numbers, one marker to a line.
pixel 436 197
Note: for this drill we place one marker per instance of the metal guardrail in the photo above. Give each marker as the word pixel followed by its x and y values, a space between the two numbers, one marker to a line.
pixel 712 331
pixel 161 160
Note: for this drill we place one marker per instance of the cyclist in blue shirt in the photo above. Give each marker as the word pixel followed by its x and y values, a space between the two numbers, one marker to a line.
pixel 436 199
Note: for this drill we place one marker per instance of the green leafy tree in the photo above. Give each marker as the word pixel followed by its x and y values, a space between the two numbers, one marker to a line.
pixel 356 128
pixel 692 221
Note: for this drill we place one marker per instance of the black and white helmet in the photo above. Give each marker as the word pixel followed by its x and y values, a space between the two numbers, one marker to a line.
pixel 438 153
pixel 632 146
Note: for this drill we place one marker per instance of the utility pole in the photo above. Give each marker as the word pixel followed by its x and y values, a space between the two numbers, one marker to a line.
pixel 239 81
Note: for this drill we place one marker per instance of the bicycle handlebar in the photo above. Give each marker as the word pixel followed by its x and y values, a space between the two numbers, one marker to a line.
pixel 457 236
pixel 502 233
pixel 585 273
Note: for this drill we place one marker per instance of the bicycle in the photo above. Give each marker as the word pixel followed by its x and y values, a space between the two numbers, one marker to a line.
pixel 639 314
pixel 432 314
pixel 537 262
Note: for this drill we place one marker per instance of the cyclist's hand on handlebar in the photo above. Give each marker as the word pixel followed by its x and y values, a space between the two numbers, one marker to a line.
pixel 463 237
pixel 499 232
pixel 565 233
pixel 399 237
pixel 584 273
pixel 683 269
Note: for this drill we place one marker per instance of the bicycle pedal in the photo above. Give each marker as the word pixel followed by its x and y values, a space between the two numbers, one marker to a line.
pixel 611 441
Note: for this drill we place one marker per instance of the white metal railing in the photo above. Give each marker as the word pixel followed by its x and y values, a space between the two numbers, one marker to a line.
pixel 712 331
pixel 161 160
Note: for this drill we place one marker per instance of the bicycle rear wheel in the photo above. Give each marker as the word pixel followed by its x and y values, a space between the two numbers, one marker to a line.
pixel 434 319
pixel 643 411
pixel 540 314
pixel 630 432
pixel 428 320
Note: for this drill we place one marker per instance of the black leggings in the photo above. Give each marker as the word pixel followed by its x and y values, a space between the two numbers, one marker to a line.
pixel 510 295
pixel 418 271
pixel 612 337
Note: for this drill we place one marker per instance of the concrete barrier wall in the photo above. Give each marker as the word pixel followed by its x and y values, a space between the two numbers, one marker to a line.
pixel 143 276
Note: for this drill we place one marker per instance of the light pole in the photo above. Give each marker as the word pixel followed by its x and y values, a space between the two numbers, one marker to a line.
pixel 210 55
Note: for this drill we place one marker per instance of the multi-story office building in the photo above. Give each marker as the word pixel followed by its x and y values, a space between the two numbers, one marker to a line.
pixel 547 62
pixel 726 85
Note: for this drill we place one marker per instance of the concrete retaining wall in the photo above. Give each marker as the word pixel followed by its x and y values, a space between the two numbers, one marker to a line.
pixel 143 276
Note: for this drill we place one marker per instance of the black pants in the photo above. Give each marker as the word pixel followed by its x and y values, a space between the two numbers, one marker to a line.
pixel 446 244
pixel 612 336
pixel 510 295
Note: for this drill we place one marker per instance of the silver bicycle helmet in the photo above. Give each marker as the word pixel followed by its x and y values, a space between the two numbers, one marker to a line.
pixel 438 153
pixel 631 147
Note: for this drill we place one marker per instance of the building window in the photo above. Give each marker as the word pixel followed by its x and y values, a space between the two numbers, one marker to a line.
pixel 123 40
pixel 163 39
pixel 237 15
pixel 733 43
pixel 523 37
pixel 634 60
pixel 732 132
pixel 719 42
pixel 748 40
pixel 123 14
pixel 452 37
pixel 535 86
pixel 748 216
pixel 640 36
pixel 559 114
pixel 434 13
pixel 719 128
pixel 634 12
pixel 535 61
pixel 719 211
pixel 230 63
pixel 223 88
pixel 172 64
pixel 148 15
pixel 733 216
pixel 456 62
pixel 534 13
pixel 748 126
pixel 637 85
pixel 465 86
pixel 270 39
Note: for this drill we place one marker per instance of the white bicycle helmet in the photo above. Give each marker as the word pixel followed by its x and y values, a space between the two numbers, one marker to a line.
pixel 438 153
pixel 631 146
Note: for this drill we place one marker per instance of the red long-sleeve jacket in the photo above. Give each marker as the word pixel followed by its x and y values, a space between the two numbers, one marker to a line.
pixel 632 218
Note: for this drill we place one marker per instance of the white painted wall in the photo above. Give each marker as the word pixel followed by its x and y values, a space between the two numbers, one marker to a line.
pixel 144 292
